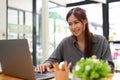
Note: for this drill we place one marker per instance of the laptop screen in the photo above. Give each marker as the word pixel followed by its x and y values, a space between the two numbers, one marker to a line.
pixel 16 59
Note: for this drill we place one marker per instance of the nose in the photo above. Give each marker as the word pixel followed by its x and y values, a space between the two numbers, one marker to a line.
pixel 73 26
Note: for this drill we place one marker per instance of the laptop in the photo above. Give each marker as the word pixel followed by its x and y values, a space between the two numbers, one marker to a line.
pixel 16 60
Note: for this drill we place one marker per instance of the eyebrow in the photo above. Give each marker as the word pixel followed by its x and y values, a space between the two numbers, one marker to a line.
pixel 73 21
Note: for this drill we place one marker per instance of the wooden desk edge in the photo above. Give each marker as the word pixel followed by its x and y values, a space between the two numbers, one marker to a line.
pixel 7 77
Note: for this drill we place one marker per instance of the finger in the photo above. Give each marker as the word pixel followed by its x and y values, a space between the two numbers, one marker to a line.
pixel 36 69
pixel 65 64
pixel 40 68
pixel 69 65
pixel 43 67
pixel 56 66
pixel 48 69
pixel 48 65
pixel 51 69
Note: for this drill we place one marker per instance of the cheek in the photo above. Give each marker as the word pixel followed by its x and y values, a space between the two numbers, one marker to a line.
pixel 81 27
pixel 70 29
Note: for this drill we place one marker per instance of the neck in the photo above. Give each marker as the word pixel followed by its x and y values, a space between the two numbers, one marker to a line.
pixel 81 43
pixel 81 38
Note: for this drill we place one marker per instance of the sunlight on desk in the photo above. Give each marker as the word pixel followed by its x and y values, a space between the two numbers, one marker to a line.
pixel 5 77
pixel 115 77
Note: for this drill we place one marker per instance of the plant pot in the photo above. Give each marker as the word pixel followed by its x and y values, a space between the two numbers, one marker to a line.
pixel 61 75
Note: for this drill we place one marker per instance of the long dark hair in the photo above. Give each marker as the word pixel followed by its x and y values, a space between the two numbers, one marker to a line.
pixel 80 14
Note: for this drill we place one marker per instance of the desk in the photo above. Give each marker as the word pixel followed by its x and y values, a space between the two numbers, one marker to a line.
pixel 6 77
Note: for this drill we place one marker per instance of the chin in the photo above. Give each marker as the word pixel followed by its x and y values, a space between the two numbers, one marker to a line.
pixel 76 35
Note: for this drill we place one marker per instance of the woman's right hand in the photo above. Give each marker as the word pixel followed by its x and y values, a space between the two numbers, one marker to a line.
pixel 43 67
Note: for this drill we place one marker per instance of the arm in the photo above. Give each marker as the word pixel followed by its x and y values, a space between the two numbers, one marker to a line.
pixel 55 57
pixel 107 54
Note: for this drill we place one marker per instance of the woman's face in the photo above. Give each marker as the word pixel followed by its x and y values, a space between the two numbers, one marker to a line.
pixel 76 26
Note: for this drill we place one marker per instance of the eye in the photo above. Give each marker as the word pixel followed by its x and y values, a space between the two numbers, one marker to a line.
pixel 70 24
pixel 76 22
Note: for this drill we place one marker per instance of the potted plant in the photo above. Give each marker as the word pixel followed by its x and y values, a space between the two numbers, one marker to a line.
pixel 91 69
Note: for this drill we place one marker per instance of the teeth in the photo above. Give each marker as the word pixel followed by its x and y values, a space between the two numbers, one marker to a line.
pixel 76 31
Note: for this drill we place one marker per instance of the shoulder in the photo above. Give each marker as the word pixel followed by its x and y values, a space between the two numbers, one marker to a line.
pixel 97 37
pixel 65 42
pixel 69 40
pixel 66 39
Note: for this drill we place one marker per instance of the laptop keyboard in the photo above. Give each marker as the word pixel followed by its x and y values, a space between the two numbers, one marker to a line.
pixel 44 76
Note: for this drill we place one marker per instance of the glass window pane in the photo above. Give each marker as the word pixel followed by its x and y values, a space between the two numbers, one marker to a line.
pixel 21 17
pixel 39 31
pixel 12 16
pixel 114 18
pixel 12 24
pixel 39 6
pixel 95 21
pixel 114 33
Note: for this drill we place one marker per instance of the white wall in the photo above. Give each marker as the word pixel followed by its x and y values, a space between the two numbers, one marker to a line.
pixel 3 6
pixel 59 2
pixel 21 4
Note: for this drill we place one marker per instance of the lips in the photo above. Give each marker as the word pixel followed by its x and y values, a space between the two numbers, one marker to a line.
pixel 76 31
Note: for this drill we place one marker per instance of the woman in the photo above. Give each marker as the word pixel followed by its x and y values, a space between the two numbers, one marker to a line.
pixel 82 43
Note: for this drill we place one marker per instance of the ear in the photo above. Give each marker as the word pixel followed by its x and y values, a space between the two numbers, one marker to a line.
pixel 85 21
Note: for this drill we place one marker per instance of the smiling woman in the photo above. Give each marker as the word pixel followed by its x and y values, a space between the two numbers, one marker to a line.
pixel 82 43
pixel 78 24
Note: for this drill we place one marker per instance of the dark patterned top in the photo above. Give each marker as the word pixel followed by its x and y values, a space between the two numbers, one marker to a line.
pixel 68 50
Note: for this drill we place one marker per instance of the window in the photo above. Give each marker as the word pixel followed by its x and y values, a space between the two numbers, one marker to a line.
pixel 114 33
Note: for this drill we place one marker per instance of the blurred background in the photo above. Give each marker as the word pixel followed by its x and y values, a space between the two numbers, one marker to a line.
pixel 43 24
